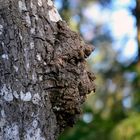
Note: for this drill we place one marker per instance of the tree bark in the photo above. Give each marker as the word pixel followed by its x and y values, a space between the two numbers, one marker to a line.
pixel 43 76
pixel 138 27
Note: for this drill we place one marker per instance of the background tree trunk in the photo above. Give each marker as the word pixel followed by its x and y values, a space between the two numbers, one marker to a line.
pixel 138 26
pixel 43 76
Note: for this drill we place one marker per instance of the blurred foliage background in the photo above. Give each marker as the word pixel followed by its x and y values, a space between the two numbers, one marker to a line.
pixel 113 27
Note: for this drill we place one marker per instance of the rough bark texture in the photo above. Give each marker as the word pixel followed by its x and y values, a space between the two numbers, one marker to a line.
pixel 43 76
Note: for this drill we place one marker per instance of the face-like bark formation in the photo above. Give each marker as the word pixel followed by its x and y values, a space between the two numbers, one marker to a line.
pixel 71 81
pixel 43 76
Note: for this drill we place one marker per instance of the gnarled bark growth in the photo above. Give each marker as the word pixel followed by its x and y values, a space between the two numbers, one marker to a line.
pixel 43 76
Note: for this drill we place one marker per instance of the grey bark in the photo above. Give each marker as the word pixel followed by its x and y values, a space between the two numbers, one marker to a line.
pixel 43 76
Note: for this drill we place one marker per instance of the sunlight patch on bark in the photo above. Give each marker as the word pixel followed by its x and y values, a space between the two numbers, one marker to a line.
pixel 16 95
pixel 27 19
pixel 33 7
pixel 40 3
pixel 3 114
pixel 5 56
pixel 22 6
pixel 25 96
pixel 32 30
pixel 56 108
pixel 36 99
pixel 11 132
pixel 1 29
pixel 16 68
pixel 41 78
pixel 33 133
pixel 34 76
pixel 32 44
pixel 54 15
pixel 6 92
pixel 20 36
pixel 38 57
pixel 50 3
pixel 26 58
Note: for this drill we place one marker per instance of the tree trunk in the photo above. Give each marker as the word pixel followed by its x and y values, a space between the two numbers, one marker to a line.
pixel 138 26
pixel 43 76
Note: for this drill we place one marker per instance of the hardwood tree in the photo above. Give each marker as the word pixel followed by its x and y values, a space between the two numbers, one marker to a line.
pixel 43 75
pixel 137 11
